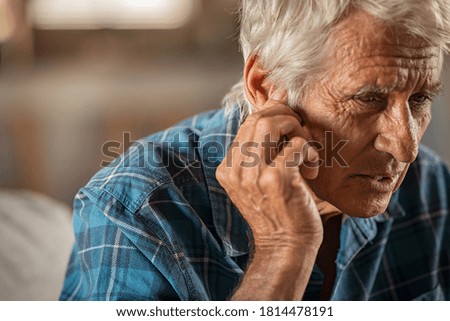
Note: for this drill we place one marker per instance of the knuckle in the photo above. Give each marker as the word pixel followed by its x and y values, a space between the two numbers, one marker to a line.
pixel 288 111
pixel 293 145
pixel 264 123
pixel 233 180
pixel 253 117
pixel 269 178
pixel 298 142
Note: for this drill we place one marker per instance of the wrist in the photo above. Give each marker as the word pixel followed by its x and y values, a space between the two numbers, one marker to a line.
pixel 279 258
pixel 286 243
pixel 276 273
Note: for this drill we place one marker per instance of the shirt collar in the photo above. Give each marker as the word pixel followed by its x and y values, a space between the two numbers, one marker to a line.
pixel 357 232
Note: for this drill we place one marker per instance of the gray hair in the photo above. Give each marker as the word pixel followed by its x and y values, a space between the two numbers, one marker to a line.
pixel 288 36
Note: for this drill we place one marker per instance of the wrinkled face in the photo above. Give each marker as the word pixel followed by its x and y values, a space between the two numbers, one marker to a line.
pixel 376 94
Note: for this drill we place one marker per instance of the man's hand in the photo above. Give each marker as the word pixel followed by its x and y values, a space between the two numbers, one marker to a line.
pixel 272 195
pixel 276 201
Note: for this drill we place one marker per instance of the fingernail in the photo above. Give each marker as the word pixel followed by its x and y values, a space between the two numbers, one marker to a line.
pixel 278 94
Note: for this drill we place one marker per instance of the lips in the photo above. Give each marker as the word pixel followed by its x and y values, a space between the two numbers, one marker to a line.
pixel 378 182
pixel 379 178
pixel 383 176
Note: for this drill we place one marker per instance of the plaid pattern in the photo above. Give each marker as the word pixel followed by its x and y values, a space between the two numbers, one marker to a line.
pixel 156 225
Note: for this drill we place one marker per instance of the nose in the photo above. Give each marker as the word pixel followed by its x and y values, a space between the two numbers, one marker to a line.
pixel 398 134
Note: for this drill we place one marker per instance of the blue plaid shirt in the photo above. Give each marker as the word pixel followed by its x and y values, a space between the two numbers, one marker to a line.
pixel 156 225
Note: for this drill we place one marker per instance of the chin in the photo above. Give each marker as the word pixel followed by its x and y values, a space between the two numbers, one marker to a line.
pixel 364 207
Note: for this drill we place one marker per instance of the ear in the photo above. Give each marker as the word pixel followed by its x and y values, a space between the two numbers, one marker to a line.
pixel 257 86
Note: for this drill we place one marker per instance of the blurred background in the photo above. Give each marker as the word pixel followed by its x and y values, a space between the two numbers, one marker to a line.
pixel 75 74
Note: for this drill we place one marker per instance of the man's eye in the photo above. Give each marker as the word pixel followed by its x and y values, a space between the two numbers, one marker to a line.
pixel 420 103
pixel 372 100
pixel 368 99
pixel 418 99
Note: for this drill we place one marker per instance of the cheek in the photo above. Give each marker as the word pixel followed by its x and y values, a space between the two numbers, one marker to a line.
pixel 422 125
pixel 328 181
pixel 330 116
pixel 340 142
pixel 342 147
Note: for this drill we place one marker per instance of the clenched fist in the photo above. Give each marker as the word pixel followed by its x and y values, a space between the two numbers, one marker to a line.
pixel 268 184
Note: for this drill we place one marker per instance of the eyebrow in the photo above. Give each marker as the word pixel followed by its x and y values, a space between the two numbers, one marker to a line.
pixel 431 90
pixel 373 89
pixel 434 89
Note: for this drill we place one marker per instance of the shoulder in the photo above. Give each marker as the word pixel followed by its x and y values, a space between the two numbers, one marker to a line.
pixel 168 157
pixel 150 205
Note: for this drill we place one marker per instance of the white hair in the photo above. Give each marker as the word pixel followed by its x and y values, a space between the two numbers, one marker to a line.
pixel 289 36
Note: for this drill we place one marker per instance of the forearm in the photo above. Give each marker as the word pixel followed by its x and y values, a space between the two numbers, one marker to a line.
pixel 277 275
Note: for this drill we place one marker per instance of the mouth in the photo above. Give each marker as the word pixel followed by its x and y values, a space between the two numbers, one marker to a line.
pixel 379 178
pixel 379 182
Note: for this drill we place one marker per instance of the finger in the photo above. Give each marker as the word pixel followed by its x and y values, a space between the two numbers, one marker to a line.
pixel 272 108
pixel 257 140
pixel 264 129
pixel 252 155
pixel 277 96
pixel 293 157
pixel 285 174
pixel 309 169
pixel 273 131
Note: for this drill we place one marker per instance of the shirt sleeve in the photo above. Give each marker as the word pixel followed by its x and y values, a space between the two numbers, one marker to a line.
pixel 112 260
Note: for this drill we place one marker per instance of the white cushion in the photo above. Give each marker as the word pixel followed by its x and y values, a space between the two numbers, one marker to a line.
pixel 35 242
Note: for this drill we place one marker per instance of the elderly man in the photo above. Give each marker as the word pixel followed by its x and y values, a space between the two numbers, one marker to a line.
pixel 301 186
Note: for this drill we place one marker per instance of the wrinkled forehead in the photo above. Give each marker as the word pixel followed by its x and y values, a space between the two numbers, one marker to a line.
pixel 361 35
